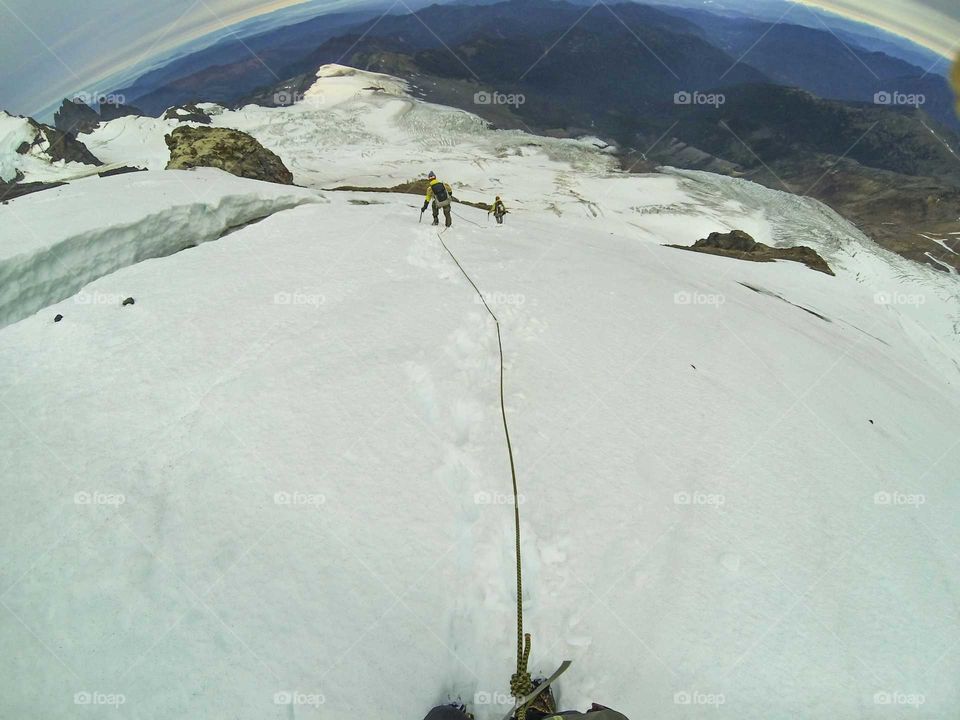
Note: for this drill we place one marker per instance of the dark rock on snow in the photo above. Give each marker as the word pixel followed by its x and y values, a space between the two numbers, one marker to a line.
pixel 227 149
pixel 738 244
pixel 9 191
pixel 188 113
pixel 63 146
pixel 121 171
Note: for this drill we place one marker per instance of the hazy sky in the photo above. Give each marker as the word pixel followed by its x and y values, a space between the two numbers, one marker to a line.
pixel 52 48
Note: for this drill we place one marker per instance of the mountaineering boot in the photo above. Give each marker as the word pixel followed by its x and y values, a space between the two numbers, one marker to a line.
pixel 436 222
pixel 544 705
pixel 449 712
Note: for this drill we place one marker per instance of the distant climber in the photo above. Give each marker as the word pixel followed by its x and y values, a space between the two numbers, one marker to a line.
pixel 498 209
pixel 441 195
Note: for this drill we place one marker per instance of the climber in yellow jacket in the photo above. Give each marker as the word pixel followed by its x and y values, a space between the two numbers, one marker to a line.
pixel 498 209
pixel 441 195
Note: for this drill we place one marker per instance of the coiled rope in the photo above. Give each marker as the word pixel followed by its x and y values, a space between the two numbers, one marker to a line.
pixel 521 684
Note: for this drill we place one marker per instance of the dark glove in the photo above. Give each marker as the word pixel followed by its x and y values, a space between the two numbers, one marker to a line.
pixel 425 206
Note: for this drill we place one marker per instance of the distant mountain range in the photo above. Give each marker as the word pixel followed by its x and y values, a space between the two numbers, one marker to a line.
pixel 233 67
pixel 851 31
pixel 832 62
pixel 823 63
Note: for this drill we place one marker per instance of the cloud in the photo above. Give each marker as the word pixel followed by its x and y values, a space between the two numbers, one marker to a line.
pixel 50 48
pixel 933 23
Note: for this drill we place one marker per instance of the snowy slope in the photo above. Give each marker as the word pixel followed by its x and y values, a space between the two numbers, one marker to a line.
pixel 344 133
pixel 55 242
pixel 277 486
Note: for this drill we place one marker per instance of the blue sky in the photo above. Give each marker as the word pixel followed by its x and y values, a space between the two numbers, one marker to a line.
pixel 52 48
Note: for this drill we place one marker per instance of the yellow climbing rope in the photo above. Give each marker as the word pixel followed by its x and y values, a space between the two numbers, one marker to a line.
pixel 521 684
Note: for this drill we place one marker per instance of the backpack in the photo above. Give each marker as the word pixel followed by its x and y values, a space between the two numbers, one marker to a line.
pixel 440 193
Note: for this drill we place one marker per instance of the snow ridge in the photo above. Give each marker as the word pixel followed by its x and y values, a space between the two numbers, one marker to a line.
pixel 42 263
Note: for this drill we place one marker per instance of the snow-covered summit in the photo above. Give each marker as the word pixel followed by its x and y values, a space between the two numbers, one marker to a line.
pixel 277 486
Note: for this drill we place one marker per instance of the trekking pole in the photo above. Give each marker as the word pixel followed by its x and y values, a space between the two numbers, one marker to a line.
pixel 421 218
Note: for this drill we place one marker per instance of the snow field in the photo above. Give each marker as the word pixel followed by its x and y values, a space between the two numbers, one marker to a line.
pixel 737 491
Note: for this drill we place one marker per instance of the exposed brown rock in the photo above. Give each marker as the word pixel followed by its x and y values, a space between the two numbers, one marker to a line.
pixel 227 149
pixel 738 244
pixel 411 187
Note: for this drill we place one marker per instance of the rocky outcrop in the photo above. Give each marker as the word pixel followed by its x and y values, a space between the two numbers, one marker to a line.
pixel 740 245
pixel 227 149
pixel 736 240
pixel 187 113
pixel 61 145
pixel 74 118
